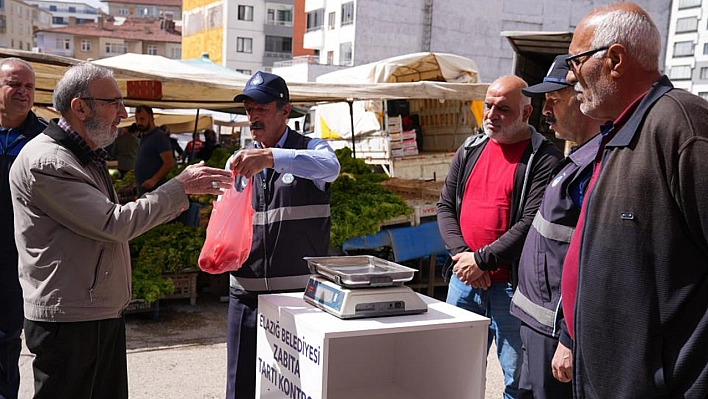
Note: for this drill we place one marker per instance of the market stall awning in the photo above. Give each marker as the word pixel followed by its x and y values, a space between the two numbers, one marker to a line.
pixel 186 88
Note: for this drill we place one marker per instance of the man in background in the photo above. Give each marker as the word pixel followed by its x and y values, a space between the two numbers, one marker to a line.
pixel 72 238
pixel 635 279
pixel 126 148
pixel 291 176
pixel 491 194
pixel 155 157
pixel 547 365
pixel 18 125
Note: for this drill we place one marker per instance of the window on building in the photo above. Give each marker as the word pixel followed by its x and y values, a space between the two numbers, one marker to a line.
pixel 175 53
pixel 279 14
pixel 680 72
pixel 123 12
pixel 244 44
pixel 245 13
pixel 703 95
pixel 682 49
pixel 279 44
pixel 58 21
pixel 331 20
pixel 345 53
pixel 215 16
pixel 72 9
pixel 3 24
pixel 86 45
pixel 2 4
pixel 116 48
pixel 52 8
pixel 152 49
pixel 244 71
pixel 689 3
pixel 330 57
pixel 192 22
pixel 686 25
pixel 348 13
pixel 705 48
pixel 704 73
pixel 315 19
pixel 63 44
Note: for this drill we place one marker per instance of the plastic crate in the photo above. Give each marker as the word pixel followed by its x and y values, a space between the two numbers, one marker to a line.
pixel 185 284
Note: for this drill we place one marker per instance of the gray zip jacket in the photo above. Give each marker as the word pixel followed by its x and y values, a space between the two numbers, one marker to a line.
pixel 71 232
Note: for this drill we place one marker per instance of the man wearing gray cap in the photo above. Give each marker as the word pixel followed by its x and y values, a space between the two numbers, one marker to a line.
pixel 547 364
pixel 290 174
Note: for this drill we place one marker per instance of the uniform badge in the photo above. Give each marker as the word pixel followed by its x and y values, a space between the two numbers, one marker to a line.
pixel 257 80
pixel 288 178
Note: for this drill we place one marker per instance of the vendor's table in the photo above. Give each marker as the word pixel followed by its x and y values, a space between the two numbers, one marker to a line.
pixel 304 352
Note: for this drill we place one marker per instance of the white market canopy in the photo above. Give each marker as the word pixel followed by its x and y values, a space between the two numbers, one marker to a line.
pixel 440 67
pixel 183 86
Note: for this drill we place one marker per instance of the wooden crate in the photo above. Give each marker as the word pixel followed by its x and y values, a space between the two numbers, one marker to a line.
pixel 185 286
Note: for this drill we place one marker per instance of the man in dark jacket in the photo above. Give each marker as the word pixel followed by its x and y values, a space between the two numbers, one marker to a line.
pixel 18 125
pixel 546 370
pixel 486 207
pixel 290 174
pixel 635 279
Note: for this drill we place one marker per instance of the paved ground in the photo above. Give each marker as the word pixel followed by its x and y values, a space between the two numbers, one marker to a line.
pixel 183 355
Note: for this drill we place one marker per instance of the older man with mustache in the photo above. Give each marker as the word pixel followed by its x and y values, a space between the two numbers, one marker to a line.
pixel 635 280
pixel 291 175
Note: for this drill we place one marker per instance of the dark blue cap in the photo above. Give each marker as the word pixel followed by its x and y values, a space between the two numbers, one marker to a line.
pixel 554 80
pixel 264 87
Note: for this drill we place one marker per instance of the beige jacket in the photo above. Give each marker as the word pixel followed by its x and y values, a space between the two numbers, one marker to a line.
pixel 72 234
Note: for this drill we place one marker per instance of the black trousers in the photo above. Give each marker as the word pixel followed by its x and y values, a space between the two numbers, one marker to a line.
pixel 537 381
pixel 11 319
pixel 241 345
pixel 79 360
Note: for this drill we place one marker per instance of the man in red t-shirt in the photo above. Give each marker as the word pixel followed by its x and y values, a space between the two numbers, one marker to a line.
pixel 491 194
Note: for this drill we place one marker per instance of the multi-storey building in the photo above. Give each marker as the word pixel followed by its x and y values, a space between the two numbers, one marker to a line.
pixel 61 11
pixel 111 37
pixel 687 46
pixel 151 9
pixel 244 35
pixel 18 21
pixel 355 32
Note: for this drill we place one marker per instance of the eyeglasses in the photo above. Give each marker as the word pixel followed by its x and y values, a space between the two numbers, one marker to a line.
pixel 574 62
pixel 118 101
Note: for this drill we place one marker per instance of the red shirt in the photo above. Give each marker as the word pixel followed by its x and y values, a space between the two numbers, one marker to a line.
pixel 486 204
pixel 569 279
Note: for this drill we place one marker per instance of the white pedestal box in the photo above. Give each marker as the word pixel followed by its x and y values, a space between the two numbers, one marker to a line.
pixel 305 353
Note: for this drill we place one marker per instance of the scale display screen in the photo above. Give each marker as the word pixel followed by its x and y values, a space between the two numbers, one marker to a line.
pixel 324 294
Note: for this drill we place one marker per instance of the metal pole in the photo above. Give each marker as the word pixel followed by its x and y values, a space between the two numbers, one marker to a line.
pixel 195 136
pixel 351 122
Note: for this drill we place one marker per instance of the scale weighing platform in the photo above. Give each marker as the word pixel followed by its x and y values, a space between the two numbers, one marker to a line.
pixel 352 287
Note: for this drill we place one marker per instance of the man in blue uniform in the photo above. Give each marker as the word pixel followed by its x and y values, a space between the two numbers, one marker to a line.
pixel 536 301
pixel 18 124
pixel 290 174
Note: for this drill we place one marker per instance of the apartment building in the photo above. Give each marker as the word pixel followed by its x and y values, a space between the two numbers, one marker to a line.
pixel 244 35
pixel 355 32
pixel 687 46
pixel 112 36
pixel 61 11
pixel 150 9
pixel 18 21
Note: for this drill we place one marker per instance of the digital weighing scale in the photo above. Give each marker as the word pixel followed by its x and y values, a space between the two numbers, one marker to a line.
pixel 352 287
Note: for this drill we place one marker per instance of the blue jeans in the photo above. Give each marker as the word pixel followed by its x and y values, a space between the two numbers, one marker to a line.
pixel 503 328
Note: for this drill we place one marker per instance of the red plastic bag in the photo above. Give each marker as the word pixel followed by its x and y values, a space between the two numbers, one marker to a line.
pixel 230 231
